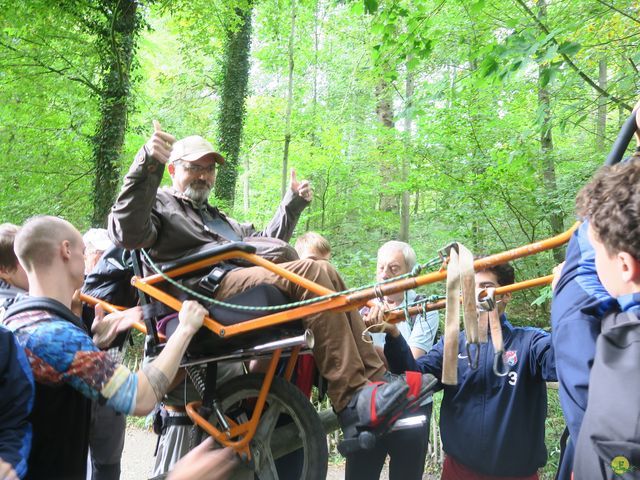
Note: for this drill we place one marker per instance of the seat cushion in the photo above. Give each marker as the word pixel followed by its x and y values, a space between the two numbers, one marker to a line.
pixel 206 342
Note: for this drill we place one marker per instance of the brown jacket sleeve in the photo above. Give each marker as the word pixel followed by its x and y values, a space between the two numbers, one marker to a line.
pixel 132 221
pixel 285 219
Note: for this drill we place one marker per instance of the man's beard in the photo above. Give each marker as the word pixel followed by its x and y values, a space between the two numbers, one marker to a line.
pixel 198 192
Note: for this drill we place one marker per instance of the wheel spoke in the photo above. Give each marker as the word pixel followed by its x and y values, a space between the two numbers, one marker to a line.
pixel 267 469
pixel 268 423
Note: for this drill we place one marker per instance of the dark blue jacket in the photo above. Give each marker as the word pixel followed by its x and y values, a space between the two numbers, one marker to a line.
pixel 16 400
pixel 492 425
pixel 579 301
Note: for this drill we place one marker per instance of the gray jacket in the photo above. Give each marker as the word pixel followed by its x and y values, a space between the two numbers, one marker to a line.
pixel 8 294
pixel 166 223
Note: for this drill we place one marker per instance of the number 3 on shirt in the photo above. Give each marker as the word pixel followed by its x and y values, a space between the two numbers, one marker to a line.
pixel 513 378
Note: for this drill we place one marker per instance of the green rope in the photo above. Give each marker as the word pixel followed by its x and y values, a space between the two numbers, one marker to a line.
pixel 415 271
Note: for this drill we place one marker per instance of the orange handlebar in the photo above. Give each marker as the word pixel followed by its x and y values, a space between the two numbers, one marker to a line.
pixel 398 315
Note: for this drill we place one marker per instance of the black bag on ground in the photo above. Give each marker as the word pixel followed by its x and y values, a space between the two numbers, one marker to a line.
pixel 608 446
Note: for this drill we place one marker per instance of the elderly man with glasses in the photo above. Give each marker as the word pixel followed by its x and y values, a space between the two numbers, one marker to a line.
pixel 174 221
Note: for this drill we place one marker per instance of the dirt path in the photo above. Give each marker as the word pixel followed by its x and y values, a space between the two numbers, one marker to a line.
pixel 137 458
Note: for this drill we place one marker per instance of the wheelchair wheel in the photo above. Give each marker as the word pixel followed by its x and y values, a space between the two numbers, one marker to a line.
pixel 290 442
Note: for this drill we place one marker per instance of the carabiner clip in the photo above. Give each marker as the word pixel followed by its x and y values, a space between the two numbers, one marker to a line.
pixel 496 357
pixel 486 300
pixel 475 360
pixel 445 252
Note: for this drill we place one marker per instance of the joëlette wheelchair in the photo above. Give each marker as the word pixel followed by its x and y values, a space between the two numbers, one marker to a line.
pixel 263 417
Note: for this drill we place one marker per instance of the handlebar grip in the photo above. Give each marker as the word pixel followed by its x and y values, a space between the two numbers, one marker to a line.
pixel 622 142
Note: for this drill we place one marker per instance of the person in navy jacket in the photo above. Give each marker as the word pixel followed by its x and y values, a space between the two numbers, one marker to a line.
pixel 491 426
pixel 16 400
pixel 579 303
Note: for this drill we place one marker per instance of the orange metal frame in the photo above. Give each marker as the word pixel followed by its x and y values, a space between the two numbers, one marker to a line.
pixel 341 302
pixel 239 436
pixel 398 315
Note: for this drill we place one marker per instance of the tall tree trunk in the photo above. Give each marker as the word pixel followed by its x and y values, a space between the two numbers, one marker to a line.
pixel 246 190
pixel 232 104
pixel 287 128
pixel 546 146
pixel 602 106
pixel 117 45
pixel 406 158
pixel 384 111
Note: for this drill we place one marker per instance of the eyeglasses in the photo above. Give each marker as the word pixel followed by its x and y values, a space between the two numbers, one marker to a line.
pixel 191 168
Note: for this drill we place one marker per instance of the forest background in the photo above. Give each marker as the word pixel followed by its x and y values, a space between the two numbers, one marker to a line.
pixel 427 121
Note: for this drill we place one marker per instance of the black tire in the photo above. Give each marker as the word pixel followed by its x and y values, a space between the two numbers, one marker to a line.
pixel 295 416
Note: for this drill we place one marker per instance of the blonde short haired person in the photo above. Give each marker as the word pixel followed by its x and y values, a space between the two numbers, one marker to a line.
pixel 313 245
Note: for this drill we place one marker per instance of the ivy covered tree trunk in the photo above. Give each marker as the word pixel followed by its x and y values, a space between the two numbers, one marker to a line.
pixel 117 36
pixel 232 105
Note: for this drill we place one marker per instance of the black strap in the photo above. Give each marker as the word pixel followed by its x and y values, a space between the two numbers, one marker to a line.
pixel 150 325
pixel 211 380
pixel 179 421
pixel 27 304
pixel 563 448
pixel 214 222
pixel 213 279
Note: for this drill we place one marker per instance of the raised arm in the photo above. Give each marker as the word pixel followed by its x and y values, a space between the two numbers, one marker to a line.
pixel 132 223
pixel 284 222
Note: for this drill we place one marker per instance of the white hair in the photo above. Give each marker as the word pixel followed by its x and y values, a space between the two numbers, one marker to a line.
pixel 97 240
pixel 408 253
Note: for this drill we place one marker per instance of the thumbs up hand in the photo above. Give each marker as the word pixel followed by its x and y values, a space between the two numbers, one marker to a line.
pixel 302 188
pixel 160 144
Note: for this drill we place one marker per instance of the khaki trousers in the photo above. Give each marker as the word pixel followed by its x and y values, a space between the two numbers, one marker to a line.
pixel 341 356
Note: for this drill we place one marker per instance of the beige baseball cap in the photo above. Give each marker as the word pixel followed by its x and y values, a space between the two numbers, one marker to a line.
pixel 193 148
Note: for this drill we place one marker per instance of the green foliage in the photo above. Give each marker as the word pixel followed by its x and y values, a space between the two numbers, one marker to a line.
pixel 476 172
pixel 475 169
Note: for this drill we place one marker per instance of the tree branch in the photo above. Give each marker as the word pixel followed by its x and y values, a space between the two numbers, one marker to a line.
pixel 616 9
pixel 569 62
pixel 51 69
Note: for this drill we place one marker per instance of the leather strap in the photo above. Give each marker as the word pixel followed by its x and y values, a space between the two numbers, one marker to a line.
pixel 496 331
pixel 483 327
pixel 468 286
pixel 460 282
pixel 452 321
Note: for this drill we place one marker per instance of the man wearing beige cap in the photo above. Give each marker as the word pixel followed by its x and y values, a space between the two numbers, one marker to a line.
pixel 171 222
